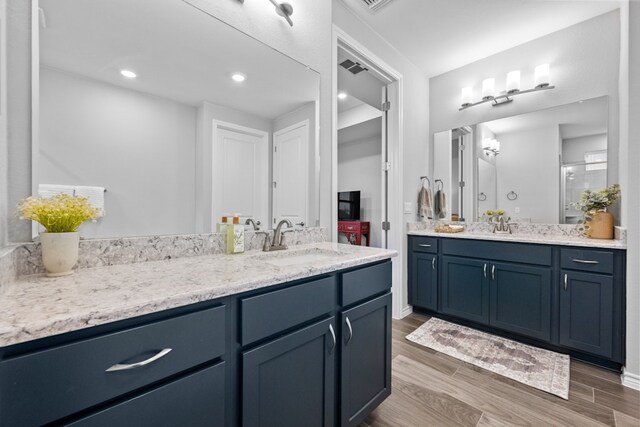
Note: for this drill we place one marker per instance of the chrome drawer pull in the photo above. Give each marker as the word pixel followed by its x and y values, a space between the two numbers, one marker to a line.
pixel 350 330
pixel 333 337
pixel 424 246
pixel 493 272
pixel 485 271
pixel 433 263
pixel 119 367
pixel 566 280
pixel 584 261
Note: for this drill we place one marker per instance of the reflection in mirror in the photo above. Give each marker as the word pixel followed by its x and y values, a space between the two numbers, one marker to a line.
pixel 535 166
pixel 180 117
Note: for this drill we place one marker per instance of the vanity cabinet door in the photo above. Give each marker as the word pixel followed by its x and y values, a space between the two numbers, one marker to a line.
pixel 521 299
pixel 423 276
pixel 586 312
pixel 464 290
pixel 366 359
pixel 289 382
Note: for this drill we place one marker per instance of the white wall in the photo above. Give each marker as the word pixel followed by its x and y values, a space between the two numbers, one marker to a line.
pixel 573 149
pixel 359 163
pixel 207 113
pixel 532 153
pixel 306 112
pixel 584 58
pixel 140 147
pixel 630 157
pixel 3 124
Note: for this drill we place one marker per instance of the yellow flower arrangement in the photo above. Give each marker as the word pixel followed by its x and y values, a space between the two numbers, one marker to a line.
pixel 58 214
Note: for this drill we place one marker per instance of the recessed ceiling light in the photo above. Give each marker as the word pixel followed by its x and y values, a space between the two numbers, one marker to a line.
pixel 342 95
pixel 238 77
pixel 128 74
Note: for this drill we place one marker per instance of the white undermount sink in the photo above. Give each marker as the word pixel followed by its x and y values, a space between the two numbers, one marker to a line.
pixel 287 257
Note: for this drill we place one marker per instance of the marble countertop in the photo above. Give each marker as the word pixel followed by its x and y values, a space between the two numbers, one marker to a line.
pixel 35 307
pixel 546 239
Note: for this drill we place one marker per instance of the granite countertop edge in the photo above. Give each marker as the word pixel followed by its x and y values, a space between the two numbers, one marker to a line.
pixel 527 238
pixel 36 307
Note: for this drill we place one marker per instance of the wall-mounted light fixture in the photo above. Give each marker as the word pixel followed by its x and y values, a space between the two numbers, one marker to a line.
pixel 541 79
pixel 491 146
pixel 285 10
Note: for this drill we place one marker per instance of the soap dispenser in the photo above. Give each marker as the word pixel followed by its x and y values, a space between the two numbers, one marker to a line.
pixel 221 227
pixel 235 237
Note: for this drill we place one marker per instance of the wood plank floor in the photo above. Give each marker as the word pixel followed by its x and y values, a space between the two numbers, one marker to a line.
pixel 432 389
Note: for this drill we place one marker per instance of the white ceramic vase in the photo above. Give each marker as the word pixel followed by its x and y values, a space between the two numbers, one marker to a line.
pixel 59 252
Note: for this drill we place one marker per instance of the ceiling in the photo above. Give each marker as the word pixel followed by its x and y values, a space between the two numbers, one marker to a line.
pixel 588 117
pixel 442 35
pixel 177 51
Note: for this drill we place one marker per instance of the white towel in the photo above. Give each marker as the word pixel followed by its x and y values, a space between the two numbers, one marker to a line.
pixel 95 196
pixel 50 190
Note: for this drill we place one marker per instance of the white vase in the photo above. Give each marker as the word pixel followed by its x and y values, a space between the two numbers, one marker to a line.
pixel 59 252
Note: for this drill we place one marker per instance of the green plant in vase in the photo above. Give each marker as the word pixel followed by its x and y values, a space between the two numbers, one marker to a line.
pixel 597 223
pixel 60 215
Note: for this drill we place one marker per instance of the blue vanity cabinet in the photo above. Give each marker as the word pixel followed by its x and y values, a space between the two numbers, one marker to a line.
pixel 464 289
pixel 313 352
pixel 592 301
pixel 564 298
pixel 520 299
pixel 290 381
pixel 365 359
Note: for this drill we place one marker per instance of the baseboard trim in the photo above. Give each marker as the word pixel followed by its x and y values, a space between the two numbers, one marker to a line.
pixel 630 380
pixel 406 311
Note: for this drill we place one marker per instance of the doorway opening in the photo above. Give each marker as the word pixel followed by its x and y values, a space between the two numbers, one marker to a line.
pixel 388 232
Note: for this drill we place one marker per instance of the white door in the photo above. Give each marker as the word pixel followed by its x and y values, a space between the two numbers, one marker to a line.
pixel 290 174
pixel 245 190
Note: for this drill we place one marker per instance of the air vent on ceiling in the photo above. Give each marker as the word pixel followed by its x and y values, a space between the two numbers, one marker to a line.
pixel 353 67
pixel 375 5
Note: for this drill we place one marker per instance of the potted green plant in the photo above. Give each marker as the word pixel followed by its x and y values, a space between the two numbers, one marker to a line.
pixel 597 223
pixel 60 215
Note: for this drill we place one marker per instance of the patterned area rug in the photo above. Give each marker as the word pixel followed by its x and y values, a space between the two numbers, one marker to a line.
pixel 535 367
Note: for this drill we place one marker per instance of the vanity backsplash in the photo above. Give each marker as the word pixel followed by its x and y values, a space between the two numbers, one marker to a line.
pixel 26 259
pixel 527 228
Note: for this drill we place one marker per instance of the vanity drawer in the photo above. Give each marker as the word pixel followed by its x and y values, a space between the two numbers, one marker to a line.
pixel 498 251
pixel 69 378
pixel 195 400
pixel 363 283
pixel 587 260
pixel 267 314
pixel 424 244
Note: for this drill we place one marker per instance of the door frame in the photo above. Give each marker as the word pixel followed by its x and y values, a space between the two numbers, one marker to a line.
pixel 264 136
pixel 396 236
pixel 303 123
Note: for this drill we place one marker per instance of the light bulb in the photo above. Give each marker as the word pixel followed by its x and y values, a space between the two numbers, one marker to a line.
pixel 513 81
pixel 488 88
pixel 542 74
pixel 467 93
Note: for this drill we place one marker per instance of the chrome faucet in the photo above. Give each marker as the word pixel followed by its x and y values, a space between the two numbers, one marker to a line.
pixel 255 224
pixel 502 227
pixel 278 238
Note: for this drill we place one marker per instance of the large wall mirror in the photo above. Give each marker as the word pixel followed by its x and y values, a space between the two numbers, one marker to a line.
pixel 180 117
pixel 534 166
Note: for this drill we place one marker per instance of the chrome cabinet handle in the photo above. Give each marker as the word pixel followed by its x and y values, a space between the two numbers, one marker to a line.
pixel 433 263
pixel 422 245
pixel 584 261
pixel 119 367
pixel 350 330
pixel 333 337
pixel 485 271
pixel 493 272
pixel 301 224
pixel 566 280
